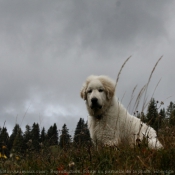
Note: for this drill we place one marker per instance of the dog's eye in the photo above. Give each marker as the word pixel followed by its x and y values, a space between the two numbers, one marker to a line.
pixel 89 91
pixel 100 90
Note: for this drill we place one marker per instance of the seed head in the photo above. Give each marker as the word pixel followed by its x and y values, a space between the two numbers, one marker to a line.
pixel 71 164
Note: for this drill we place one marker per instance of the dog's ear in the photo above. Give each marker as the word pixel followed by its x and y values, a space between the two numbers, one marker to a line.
pixel 109 87
pixel 83 92
pixel 110 90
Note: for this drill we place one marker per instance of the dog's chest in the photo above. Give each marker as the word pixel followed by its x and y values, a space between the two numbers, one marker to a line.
pixel 102 130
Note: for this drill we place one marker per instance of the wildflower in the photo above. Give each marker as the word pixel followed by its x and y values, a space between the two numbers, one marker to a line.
pixel 17 157
pixel 3 156
pixel 11 155
pixel 162 103
pixel 4 147
pixel 71 164
pixel 61 170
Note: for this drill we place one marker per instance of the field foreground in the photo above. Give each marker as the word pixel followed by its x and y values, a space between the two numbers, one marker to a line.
pixel 87 160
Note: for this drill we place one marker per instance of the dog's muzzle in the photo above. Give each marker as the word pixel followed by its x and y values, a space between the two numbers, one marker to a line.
pixel 95 104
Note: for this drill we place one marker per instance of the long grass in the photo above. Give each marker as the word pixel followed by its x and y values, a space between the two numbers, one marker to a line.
pixel 149 79
pixel 121 71
pixel 88 160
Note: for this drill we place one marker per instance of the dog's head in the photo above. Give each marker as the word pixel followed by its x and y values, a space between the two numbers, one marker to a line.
pixel 98 92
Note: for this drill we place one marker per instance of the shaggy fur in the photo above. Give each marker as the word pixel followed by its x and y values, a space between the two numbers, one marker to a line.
pixel 109 122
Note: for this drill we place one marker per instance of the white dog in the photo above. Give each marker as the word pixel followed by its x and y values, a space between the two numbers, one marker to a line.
pixel 109 122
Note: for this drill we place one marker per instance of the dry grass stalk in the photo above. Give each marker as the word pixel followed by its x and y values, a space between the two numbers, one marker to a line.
pixel 132 96
pixel 144 101
pixel 123 96
pixel 167 98
pixel 156 87
pixel 16 118
pixel 138 98
pixel 146 166
pixel 121 71
pixel 25 114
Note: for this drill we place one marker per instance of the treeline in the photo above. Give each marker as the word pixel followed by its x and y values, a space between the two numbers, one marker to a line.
pixel 158 117
pixel 34 139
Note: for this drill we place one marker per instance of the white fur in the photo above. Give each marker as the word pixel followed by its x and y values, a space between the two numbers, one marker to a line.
pixel 109 122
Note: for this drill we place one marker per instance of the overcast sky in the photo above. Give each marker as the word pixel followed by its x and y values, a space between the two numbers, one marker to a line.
pixel 48 48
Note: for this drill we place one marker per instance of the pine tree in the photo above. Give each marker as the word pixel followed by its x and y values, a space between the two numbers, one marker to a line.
pixel 35 135
pixel 43 136
pixel 141 116
pixel 27 136
pixel 27 133
pixel 162 113
pixel 55 135
pixel 18 144
pixel 65 138
pixel 170 109
pixel 49 136
pixel 78 135
pixel 0 138
pixel 162 116
pixel 152 115
pixel 52 135
pixel 13 136
pixel 81 135
pixel 172 118
pixel 4 138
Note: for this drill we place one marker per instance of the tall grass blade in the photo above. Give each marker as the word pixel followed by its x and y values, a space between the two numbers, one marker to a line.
pixel 132 96
pixel 121 71
pixel 156 88
pixel 144 101
pixel 138 98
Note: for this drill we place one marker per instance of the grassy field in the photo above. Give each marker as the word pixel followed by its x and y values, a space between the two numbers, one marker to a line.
pixel 87 160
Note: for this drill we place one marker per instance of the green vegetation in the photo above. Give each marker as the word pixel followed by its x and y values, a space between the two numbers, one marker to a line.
pixel 52 152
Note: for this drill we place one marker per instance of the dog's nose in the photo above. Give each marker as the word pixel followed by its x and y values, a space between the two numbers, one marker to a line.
pixel 94 100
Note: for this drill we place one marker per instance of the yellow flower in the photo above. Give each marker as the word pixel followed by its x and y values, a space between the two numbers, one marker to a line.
pixel 4 147
pixel 17 157
pixel 3 156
